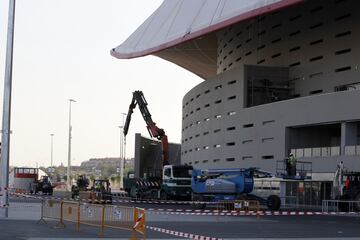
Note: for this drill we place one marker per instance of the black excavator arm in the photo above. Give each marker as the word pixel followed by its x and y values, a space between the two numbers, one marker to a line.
pixel 154 131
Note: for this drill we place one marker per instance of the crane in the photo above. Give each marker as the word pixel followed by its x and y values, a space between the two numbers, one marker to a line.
pixel 154 131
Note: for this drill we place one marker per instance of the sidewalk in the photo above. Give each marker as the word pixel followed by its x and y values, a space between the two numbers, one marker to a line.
pixel 23 224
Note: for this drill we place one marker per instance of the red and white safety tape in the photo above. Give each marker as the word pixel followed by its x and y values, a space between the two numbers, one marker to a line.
pixel 182 234
pixel 244 213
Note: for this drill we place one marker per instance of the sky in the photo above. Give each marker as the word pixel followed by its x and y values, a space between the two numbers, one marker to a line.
pixel 62 52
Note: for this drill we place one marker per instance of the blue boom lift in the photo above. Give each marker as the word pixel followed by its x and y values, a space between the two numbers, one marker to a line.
pixel 214 185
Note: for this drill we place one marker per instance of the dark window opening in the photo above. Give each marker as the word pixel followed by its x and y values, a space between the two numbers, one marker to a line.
pixel 230 159
pixel 268 157
pixel 276 26
pixel 343 17
pixel 294 49
pixel 343 51
pixel 342 69
pixel 276 55
pixel 316 25
pixel 295 33
pixel 230 144
pixel 316 58
pixel 343 34
pixel 316 42
pixel 294 18
pixel 248 125
pixel 316 91
pixel 294 64
pixel 276 40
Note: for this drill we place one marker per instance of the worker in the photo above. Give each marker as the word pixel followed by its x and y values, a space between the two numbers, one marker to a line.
pixel 292 165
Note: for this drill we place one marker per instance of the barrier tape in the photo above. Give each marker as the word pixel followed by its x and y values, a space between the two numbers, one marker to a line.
pixel 246 213
pixel 182 234
pixel 215 212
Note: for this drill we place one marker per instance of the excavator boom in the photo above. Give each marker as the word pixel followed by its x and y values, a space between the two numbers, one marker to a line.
pixel 154 131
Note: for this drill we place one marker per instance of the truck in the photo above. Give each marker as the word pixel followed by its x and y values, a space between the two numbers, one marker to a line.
pixel 43 185
pixel 215 185
pixel 347 188
pixel 169 182
pixel 82 184
pixel 100 192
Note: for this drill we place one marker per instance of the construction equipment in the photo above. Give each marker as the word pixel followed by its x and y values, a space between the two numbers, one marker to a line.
pixel 347 188
pixel 82 184
pixel 100 192
pixel 43 185
pixel 214 185
pixel 171 181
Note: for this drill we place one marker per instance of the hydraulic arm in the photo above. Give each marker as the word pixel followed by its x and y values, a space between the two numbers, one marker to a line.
pixel 154 131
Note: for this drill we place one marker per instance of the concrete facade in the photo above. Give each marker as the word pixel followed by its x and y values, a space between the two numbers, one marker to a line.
pixel 309 54
pixel 281 76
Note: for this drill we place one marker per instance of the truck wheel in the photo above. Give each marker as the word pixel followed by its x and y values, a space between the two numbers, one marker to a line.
pixel 273 203
pixel 357 204
pixel 344 206
pixel 197 202
pixel 133 192
pixel 163 195
pixel 154 194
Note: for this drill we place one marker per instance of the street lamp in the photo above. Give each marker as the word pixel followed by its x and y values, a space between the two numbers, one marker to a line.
pixel 5 135
pixel 52 148
pixel 69 148
pixel 122 152
pixel 121 158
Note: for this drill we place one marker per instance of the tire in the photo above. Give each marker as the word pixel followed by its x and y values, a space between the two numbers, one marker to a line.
pixel 133 192
pixel 154 195
pixel 196 199
pixel 273 203
pixel 357 204
pixel 163 195
pixel 344 206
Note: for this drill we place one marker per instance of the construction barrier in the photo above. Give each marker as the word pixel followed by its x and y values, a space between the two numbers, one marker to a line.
pixel 97 215
pixel 239 205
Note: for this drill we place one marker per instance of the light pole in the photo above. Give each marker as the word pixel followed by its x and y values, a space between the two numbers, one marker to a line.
pixel 52 151
pixel 69 148
pixel 121 158
pixel 122 152
pixel 5 136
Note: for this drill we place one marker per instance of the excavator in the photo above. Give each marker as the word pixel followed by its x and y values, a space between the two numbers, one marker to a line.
pixel 175 181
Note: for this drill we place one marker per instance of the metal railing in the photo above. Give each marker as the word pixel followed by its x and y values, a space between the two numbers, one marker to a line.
pixel 97 215
pixel 238 205
pixel 340 206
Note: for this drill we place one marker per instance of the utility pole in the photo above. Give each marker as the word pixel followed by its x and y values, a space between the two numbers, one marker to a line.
pixel 52 150
pixel 69 148
pixel 5 138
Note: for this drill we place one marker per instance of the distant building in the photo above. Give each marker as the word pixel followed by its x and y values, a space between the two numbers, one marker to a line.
pixel 96 163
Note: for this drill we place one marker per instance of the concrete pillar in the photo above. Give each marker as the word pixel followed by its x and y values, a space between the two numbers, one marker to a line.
pixel 348 135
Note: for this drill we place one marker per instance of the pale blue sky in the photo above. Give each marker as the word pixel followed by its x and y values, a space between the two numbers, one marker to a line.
pixel 61 51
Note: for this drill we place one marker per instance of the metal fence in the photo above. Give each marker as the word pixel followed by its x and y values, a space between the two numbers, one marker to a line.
pixel 97 215
pixel 340 206
pixel 239 205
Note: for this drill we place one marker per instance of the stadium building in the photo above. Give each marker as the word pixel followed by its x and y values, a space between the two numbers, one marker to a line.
pixel 280 76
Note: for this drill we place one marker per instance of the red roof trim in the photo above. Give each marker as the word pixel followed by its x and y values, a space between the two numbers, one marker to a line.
pixel 212 28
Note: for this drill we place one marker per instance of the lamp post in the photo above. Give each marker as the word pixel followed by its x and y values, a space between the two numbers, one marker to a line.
pixel 69 147
pixel 51 151
pixel 5 136
pixel 122 152
pixel 121 158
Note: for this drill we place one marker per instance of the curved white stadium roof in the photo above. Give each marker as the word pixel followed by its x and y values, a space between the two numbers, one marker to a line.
pixel 182 31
